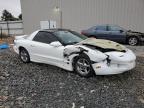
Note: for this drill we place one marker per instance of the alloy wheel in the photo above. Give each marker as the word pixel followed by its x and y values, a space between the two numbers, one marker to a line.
pixel 133 41
pixel 24 56
pixel 83 66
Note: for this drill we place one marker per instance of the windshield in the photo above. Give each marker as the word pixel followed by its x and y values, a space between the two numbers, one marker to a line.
pixel 69 37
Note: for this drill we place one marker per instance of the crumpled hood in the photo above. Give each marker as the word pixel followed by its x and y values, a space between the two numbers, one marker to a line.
pixel 105 44
pixel 129 32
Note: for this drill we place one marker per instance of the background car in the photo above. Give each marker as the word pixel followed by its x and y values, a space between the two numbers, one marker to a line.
pixel 114 33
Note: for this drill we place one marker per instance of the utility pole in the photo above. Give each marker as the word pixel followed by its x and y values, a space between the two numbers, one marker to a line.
pixel 61 19
pixel 61 15
pixel 60 12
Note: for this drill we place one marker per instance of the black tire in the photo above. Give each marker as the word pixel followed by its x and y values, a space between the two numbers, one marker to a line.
pixel 83 71
pixel 24 55
pixel 133 41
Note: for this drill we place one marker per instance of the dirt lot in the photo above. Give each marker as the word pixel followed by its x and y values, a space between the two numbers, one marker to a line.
pixel 43 86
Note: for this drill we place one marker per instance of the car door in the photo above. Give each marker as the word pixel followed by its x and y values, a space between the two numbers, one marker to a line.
pixel 42 51
pixel 117 34
pixel 101 32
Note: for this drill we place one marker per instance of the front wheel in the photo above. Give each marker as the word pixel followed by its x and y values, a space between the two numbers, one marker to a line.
pixel 24 55
pixel 133 41
pixel 83 66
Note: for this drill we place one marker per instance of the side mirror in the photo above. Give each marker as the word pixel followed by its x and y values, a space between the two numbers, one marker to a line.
pixel 56 44
pixel 121 31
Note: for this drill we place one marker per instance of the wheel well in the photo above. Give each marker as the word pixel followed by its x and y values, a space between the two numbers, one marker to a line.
pixel 91 68
pixel 76 57
pixel 132 36
pixel 20 48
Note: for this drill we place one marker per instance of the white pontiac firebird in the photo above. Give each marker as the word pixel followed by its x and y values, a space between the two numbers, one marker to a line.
pixel 74 52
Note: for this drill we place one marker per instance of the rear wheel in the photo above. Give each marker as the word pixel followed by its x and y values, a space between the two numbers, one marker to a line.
pixel 83 66
pixel 24 55
pixel 133 41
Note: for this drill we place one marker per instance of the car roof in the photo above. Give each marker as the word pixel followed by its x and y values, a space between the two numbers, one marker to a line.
pixel 54 30
pixel 106 25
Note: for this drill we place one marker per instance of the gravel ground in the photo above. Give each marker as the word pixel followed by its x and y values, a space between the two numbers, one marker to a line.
pixel 36 85
pixel 138 50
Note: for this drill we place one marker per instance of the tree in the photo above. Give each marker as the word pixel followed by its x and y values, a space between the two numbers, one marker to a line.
pixel 7 16
pixel 20 17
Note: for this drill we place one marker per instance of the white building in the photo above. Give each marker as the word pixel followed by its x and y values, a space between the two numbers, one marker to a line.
pixel 82 14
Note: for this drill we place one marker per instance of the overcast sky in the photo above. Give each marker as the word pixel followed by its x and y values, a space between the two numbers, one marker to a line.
pixel 12 6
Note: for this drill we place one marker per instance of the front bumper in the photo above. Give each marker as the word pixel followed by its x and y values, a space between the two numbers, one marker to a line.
pixel 119 63
pixel 114 68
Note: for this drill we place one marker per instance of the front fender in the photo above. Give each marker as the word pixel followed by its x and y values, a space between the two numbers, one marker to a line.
pixel 94 55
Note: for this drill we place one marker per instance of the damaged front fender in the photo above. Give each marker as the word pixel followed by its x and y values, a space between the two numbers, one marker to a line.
pixel 77 50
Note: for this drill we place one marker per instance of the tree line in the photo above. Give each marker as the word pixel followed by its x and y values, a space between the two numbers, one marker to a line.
pixel 7 16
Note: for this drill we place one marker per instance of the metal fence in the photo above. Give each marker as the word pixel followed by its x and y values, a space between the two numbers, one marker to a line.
pixel 11 28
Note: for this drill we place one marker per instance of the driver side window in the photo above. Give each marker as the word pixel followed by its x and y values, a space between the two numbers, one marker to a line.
pixel 101 28
pixel 44 37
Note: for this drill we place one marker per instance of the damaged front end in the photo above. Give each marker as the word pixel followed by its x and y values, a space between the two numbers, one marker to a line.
pixel 106 57
pixel 117 62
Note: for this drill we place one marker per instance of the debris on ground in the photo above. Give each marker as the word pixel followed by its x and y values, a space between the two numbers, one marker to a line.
pixel 4 46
